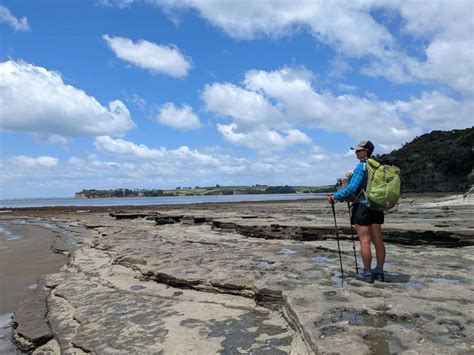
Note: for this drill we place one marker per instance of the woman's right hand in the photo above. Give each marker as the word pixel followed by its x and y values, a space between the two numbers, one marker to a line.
pixel 331 199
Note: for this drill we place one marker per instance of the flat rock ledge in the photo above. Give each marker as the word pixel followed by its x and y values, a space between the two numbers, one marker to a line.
pixel 254 278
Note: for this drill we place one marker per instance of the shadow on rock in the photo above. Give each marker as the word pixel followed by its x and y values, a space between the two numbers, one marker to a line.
pixel 396 278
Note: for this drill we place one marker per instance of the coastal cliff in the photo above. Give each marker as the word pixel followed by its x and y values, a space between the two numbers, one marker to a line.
pixel 440 161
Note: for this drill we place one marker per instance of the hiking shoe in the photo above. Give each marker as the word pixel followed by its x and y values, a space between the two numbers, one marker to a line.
pixel 378 274
pixel 365 275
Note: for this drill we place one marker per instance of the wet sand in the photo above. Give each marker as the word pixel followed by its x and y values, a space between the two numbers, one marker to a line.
pixel 25 254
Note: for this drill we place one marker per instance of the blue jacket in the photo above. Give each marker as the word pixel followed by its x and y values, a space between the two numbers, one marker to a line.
pixel 355 186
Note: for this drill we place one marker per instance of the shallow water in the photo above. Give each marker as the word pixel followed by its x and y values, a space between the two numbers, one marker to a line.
pixel 8 234
pixel 32 286
pixel 287 251
pixel 24 255
pixel 384 344
pixel 23 259
pixel 6 344
pixel 5 319
pixel 380 342
pixel 445 281
pixel 337 279
pixel 415 285
pixel 322 259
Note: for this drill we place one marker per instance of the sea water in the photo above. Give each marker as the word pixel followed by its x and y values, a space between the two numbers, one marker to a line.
pixel 143 201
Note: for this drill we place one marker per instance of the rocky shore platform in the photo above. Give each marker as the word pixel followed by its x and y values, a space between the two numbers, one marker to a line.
pixel 257 277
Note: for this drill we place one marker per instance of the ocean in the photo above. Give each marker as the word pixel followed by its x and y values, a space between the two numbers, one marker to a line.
pixel 143 201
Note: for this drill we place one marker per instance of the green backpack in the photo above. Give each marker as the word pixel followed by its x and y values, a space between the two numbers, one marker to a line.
pixel 383 185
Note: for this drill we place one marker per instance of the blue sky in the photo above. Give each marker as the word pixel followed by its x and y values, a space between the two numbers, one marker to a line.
pixel 165 93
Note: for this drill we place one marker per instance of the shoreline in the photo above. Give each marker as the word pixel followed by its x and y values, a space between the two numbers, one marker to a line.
pixel 258 259
pixel 24 258
pixel 175 201
pixel 28 252
pixel 146 201
pixel 51 210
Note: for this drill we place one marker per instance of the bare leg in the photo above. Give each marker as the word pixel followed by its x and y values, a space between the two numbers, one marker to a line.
pixel 376 237
pixel 365 252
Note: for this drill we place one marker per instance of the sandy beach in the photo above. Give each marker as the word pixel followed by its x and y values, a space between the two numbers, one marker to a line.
pixel 256 277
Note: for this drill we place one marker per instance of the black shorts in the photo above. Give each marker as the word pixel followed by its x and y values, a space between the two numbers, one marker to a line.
pixel 364 216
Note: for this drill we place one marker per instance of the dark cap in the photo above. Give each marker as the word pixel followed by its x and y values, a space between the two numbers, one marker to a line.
pixel 364 145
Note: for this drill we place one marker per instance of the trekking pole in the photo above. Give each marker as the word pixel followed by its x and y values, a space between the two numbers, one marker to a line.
pixel 338 246
pixel 352 235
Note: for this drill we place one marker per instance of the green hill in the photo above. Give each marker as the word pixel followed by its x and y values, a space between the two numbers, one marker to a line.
pixel 440 161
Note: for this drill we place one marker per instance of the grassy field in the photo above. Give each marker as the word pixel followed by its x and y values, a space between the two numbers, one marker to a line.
pixel 255 189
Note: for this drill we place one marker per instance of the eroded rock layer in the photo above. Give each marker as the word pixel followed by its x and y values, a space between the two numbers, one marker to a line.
pixel 256 278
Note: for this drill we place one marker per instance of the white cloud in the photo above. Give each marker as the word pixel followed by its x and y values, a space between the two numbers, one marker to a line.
pixel 338 68
pixel 452 62
pixel 179 118
pixel 121 4
pixel 437 111
pixel 346 25
pixel 182 118
pixel 288 95
pixel 130 150
pixel 76 161
pixel 36 100
pixel 444 18
pixel 7 17
pixel 140 102
pixel 285 100
pixel 147 55
pixel 125 148
pixel 52 138
pixel 448 62
pixel 126 167
pixel 351 30
pixel 261 138
pixel 356 116
pixel 346 87
pixel 449 27
pixel 31 162
pixel 246 107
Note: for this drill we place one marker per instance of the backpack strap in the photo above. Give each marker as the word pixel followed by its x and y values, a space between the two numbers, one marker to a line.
pixel 362 190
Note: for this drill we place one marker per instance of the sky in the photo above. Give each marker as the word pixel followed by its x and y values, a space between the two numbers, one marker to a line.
pixel 105 94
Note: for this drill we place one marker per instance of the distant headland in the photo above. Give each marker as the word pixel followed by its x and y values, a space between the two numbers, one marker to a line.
pixel 202 191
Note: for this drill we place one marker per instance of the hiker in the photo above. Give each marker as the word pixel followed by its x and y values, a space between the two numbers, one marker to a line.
pixel 368 222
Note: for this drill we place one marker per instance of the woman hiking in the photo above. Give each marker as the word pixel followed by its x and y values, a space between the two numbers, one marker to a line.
pixel 368 222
